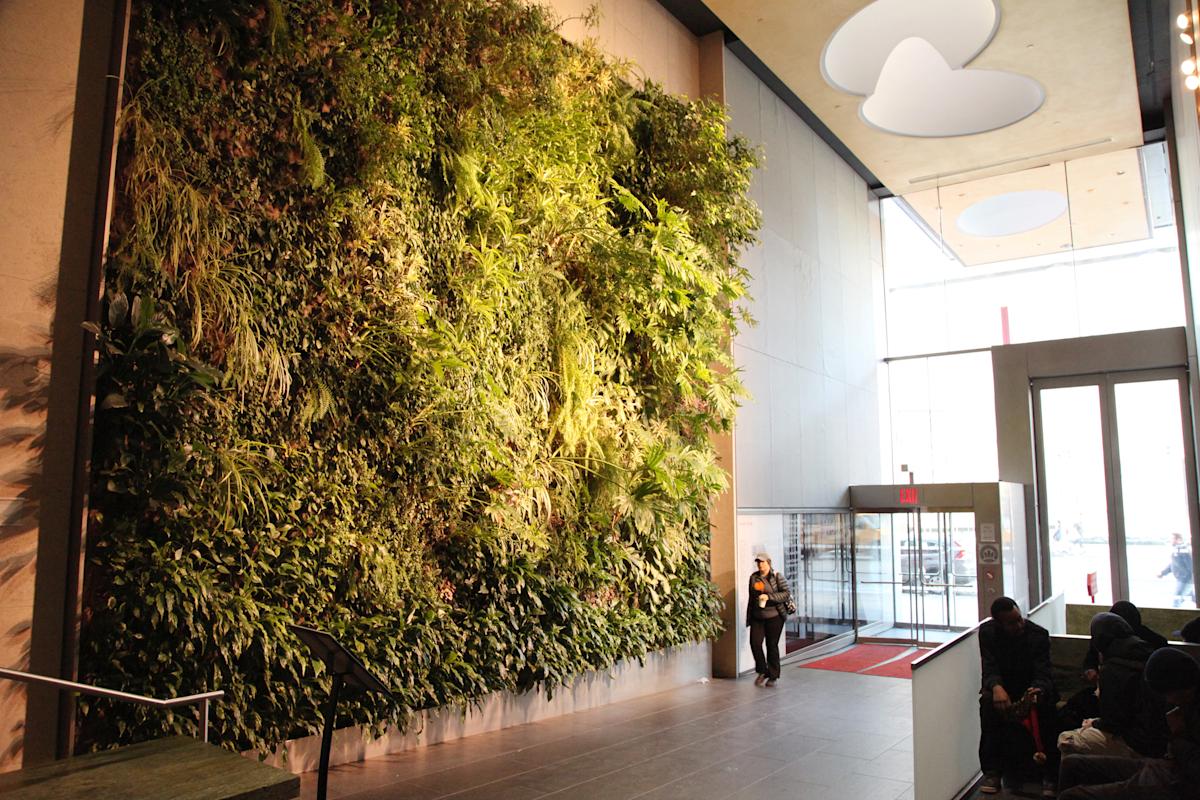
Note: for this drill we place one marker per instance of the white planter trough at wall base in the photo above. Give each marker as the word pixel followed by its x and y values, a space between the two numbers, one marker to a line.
pixel 663 670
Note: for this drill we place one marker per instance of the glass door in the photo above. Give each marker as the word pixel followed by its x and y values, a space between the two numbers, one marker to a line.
pixel 1076 488
pixel 1116 492
pixel 817 552
pixel 914 575
pixel 827 595
pixel 1157 560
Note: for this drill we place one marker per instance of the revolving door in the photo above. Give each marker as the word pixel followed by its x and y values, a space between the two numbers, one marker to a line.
pixel 929 559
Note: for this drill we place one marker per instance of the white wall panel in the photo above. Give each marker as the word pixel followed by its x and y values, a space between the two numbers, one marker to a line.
pixel 833 321
pixel 788 469
pixel 812 428
pixel 809 313
pixel 752 441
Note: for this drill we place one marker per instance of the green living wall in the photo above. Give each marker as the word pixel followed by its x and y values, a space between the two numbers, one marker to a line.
pixel 415 331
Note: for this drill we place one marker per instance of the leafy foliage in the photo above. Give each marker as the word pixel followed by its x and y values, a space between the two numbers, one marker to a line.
pixel 415 331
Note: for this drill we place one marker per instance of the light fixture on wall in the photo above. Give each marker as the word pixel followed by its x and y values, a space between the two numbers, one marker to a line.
pixel 1186 35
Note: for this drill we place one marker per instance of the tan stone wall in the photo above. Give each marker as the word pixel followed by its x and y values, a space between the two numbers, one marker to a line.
pixel 639 31
pixel 39 59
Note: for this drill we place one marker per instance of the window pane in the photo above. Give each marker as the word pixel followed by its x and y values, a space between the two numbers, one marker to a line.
pixel 1129 282
pixel 825 554
pixel 964 608
pixel 1154 494
pixel 943 418
pixel 1076 500
pixel 874 573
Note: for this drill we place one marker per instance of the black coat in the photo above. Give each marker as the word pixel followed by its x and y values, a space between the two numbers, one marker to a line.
pixel 1129 708
pixel 777 592
pixel 1016 663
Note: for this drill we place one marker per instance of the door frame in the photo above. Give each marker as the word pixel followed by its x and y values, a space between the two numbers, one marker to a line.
pixel 913 514
pixel 1106 383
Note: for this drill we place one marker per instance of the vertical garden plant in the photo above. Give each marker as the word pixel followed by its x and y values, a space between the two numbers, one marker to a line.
pixel 415 330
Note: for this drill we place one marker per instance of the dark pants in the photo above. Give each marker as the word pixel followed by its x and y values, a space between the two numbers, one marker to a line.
pixel 1005 745
pixel 1109 778
pixel 767 630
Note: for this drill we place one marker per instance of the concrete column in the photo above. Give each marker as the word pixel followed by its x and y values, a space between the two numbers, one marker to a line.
pixel 723 515
pixel 55 56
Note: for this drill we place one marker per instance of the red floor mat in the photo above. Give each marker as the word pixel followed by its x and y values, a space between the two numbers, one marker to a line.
pixel 857 658
pixel 900 668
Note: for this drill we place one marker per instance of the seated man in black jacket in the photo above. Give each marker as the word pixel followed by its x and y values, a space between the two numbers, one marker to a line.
pixel 1176 676
pixel 1015 656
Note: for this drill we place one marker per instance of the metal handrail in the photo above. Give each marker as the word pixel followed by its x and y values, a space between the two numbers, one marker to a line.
pixel 82 688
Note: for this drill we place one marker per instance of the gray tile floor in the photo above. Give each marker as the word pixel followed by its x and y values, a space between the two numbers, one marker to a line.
pixel 817 735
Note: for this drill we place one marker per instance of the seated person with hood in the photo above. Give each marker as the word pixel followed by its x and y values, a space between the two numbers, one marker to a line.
pixel 1131 614
pixel 1085 704
pixel 1176 676
pixel 1130 721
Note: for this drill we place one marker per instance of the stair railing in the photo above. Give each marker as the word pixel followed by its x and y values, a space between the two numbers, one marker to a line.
pixel 201 699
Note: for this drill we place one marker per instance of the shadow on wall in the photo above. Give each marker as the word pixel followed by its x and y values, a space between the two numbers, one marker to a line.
pixel 24 384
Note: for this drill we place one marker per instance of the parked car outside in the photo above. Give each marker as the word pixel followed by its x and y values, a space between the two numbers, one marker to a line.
pixel 962 563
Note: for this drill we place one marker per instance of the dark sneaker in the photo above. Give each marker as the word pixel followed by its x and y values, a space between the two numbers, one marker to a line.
pixel 990 783
pixel 770 683
pixel 1049 787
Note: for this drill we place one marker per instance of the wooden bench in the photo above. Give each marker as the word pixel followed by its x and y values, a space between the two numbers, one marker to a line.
pixel 175 768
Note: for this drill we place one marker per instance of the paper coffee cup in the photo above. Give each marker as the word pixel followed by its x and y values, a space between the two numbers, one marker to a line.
pixel 762 602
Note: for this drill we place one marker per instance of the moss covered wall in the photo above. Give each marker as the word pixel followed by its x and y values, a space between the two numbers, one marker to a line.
pixel 410 330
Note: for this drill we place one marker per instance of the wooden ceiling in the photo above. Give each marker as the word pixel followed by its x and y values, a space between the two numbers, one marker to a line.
pixel 1106 205
pixel 1079 50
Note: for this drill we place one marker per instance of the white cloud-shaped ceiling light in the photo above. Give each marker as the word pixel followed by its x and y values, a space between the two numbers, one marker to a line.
pixel 908 56
pixel 1012 213
pixel 918 94
pixel 855 54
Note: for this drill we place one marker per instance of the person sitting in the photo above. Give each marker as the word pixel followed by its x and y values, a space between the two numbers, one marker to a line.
pixel 1133 615
pixel 1130 721
pixel 1191 632
pixel 1085 703
pixel 1176 676
pixel 1015 660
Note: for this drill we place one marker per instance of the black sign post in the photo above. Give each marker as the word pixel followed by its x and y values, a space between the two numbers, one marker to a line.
pixel 345 669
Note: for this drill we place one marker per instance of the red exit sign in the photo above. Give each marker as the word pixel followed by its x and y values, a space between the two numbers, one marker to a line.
pixel 909 496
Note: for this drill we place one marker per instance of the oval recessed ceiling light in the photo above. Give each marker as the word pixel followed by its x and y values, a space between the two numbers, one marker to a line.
pixel 920 95
pixel 854 56
pixel 1011 213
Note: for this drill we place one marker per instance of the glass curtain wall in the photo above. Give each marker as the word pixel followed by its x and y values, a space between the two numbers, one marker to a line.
pixel 812 550
pixel 943 419
pixel 1101 267
pixel 938 302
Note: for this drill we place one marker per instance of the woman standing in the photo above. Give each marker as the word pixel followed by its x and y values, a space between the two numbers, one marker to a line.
pixel 766 612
